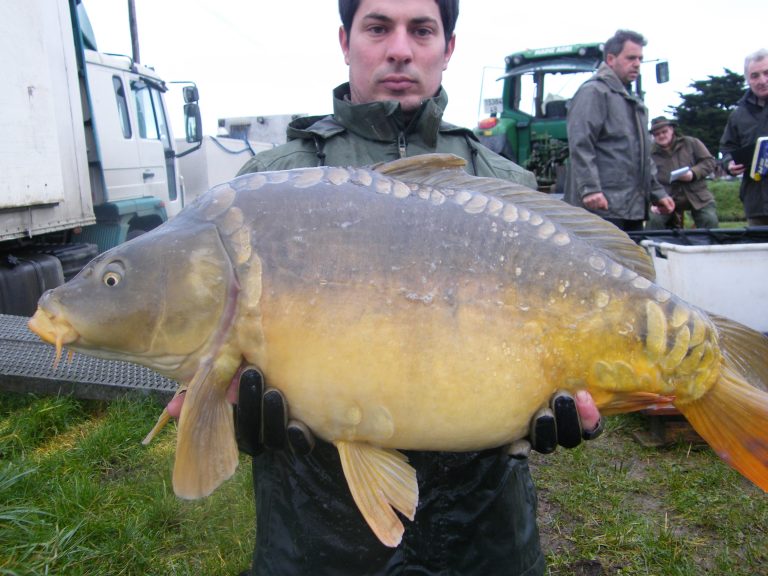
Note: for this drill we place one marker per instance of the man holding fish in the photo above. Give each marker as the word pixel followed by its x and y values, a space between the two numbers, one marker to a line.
pixel 416 318
pixel 477 513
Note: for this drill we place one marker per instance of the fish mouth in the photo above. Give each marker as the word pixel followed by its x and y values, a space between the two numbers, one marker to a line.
pixel 54 330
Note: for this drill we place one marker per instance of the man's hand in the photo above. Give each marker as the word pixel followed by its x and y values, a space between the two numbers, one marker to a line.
pixel 666 205
pixel 735 169
pixel 566 422
pixel 261 416
pixel 595 201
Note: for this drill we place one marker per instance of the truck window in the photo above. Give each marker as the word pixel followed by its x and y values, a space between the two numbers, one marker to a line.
pixel 122 106
pixel 536 91
pixel 162 122
pixel 165 138
pixel 146 113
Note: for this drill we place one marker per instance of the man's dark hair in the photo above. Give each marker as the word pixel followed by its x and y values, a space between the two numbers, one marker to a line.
pixel 615 44
pixel 449 13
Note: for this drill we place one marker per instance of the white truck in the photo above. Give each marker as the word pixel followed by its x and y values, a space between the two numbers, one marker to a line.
pixel 87 154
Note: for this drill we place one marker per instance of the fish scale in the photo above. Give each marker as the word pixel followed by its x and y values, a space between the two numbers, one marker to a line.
pixel 405 306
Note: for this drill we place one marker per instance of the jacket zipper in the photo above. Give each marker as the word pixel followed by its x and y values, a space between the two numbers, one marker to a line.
pixel 401 144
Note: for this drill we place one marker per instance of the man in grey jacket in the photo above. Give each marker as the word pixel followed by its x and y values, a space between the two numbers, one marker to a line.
pixel 610 171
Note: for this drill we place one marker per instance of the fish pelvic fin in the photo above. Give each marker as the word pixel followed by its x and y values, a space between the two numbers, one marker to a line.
pixel 206 451
pixel 732 418
pixel 381 481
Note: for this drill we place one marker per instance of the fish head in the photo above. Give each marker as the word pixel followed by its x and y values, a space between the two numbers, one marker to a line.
pixel 156 300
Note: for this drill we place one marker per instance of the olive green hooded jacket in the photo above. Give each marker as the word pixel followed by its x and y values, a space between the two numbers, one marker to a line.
pixel 365 134
pixel 477 510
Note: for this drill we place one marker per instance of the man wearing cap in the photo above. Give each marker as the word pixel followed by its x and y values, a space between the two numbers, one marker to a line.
pixel 682 163
pixel 610 171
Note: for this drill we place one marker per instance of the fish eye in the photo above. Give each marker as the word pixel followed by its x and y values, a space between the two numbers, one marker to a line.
pixel 113 273
pixel 111 279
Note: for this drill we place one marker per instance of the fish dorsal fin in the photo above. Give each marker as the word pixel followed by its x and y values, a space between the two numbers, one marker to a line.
pixel 444 172
pixel 414 167
pixel 381 481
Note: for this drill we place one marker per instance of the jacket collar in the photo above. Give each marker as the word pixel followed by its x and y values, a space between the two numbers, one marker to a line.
pixel 608 76
pixel 382 121
pixel 750 98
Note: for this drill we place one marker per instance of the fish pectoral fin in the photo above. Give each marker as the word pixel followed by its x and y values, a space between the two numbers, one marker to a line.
pixel 206 451
pixel 159 425
pixel 380 480
pixel 632 402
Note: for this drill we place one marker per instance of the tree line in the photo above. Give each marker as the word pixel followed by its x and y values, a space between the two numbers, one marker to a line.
pixel 704 112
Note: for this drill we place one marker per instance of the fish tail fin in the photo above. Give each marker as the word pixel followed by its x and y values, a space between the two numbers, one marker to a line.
pixel 731 416
pixel 206 451
pixel 380 480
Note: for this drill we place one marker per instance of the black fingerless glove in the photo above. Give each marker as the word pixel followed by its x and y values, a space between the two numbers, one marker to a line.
pixel 261 419
pixel 553 425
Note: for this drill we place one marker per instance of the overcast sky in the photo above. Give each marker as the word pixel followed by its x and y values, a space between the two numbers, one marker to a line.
pixel 259 57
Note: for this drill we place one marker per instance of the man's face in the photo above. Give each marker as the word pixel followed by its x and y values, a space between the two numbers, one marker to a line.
pixel 663 136
pixel 626 64
pixel 396 50
pixel 757 76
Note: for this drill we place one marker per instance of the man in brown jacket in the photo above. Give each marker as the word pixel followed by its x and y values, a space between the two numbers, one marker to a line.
pixel 682 164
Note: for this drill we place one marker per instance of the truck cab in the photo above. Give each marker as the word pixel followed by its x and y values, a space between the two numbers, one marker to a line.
pixel 133 166
pixel 88 155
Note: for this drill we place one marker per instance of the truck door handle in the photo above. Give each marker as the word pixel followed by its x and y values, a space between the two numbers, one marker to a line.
pixel 148 174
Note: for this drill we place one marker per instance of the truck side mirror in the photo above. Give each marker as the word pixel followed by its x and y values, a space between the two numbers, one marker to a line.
pixel 191 94
pixel 193 123
pixel 662 72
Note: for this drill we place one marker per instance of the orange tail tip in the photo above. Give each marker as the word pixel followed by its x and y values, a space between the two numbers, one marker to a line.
pixel 733 418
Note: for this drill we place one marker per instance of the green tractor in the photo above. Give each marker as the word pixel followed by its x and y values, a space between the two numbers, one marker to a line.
pixel 528 123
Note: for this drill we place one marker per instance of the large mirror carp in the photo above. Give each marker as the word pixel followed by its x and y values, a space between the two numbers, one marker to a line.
pixel 405 306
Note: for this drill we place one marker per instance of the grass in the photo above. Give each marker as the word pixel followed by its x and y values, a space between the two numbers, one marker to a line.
pixel 730 210
pixel 80 495
pixel 615 507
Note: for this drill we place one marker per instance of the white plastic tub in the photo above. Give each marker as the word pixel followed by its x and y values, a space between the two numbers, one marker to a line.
pixel 727 279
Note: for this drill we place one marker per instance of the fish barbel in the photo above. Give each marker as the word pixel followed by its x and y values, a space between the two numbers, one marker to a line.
pixel 406 306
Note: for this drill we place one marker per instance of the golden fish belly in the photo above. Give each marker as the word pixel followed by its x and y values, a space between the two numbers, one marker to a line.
pixel 413 376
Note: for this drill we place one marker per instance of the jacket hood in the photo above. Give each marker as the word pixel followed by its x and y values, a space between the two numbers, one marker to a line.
pixel 380 121
pixel 608 76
